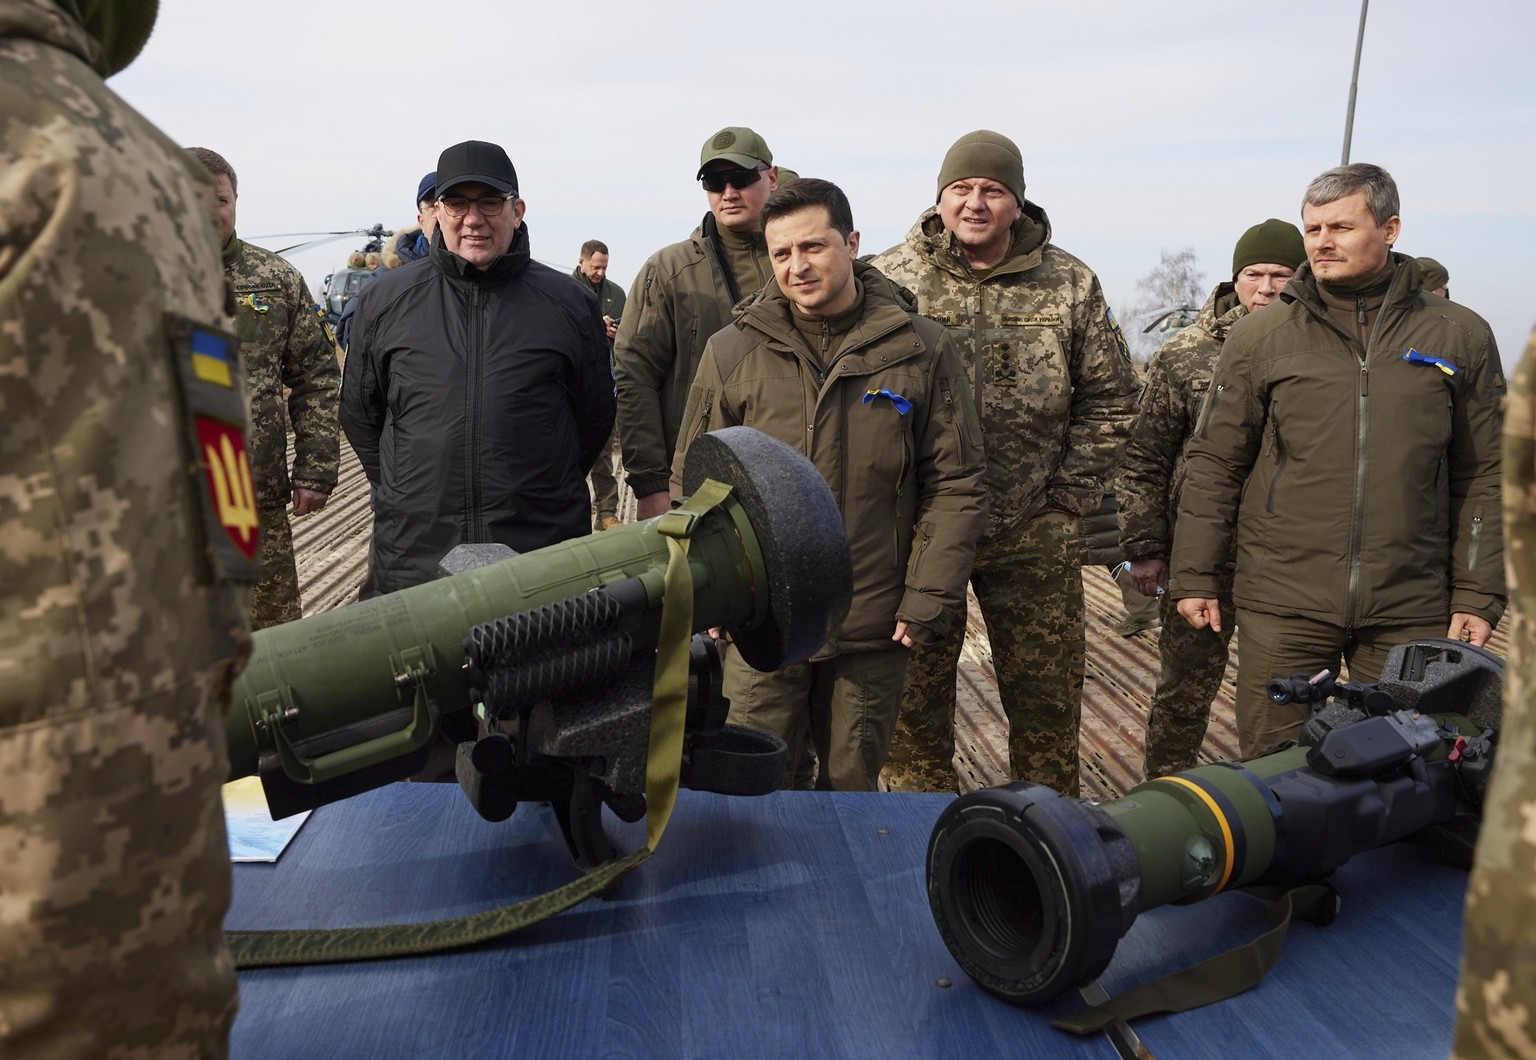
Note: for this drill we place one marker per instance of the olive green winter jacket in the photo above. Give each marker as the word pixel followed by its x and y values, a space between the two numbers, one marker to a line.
pixel 907 479
pixel 1362 488
pixel 683 295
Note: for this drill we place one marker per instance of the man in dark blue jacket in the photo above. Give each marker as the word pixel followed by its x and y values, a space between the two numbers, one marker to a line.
pixel 477 391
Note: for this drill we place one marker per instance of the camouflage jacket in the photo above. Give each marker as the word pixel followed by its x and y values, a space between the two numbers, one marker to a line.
pixel 1152 463
pixel 284 347
pixel 907 482
pixel 1050 370
pixel 120 629
pixel 1498 972
pixel 610 296
pixel 1360 486
pixel 682 296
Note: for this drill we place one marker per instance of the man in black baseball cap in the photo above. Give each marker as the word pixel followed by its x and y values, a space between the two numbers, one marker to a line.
pixel 479 350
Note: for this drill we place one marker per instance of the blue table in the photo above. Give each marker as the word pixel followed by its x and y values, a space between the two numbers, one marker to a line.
pixel 793 925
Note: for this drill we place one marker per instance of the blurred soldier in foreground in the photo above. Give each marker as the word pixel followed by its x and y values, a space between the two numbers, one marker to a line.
pixel 835 343
pixel 1496 998
pixel 682 296
pixel 592 271
pixel 1152 474
pixel 283 346
pixel 1357 421
pixel 1054 385
pixel 126 517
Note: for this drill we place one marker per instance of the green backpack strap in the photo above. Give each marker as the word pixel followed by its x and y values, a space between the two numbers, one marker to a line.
pixel 669 702
pixel 1225 975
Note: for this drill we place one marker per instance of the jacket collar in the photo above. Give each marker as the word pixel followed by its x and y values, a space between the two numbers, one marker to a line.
pixel 929 238
pixel 502 270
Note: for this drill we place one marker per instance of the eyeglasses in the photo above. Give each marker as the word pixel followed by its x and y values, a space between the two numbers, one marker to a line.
pixel 736 178
pixel 489 205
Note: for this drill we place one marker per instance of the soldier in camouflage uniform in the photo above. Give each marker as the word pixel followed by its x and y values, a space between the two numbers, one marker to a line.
pixel 592 271
pixel 1054 383
pixel 1496 999
pixel 284 346
pixel 1152 473
pixel 121 625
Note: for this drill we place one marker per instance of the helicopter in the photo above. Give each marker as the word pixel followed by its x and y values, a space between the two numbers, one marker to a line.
pixel 341 285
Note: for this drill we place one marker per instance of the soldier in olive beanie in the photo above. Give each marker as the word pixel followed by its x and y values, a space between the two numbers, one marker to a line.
pixel 1437 279
pixel 984 153
pixel 1274 242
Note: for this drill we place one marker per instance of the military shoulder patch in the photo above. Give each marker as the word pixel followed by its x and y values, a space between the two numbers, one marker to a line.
pixel 214 412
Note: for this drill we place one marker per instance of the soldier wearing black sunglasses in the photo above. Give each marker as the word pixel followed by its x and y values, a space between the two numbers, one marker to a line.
pixel 682 296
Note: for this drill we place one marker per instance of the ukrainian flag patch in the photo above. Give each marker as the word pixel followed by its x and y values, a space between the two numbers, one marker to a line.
pixel 210 359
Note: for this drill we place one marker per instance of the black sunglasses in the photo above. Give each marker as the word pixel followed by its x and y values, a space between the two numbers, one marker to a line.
pixel 736 178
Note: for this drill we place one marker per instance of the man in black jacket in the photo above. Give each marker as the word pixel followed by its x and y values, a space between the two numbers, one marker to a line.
pixel 477 391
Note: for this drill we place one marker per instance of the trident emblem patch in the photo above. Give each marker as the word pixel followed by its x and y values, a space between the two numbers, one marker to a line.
pixel 227 466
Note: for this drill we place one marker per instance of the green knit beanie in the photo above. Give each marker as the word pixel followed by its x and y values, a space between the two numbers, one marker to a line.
pixel 1274 242
pixel 1435 274
pixel 984 153
pixel 121 27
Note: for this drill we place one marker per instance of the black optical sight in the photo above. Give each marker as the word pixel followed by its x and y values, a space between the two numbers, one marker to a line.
pixel 1032 891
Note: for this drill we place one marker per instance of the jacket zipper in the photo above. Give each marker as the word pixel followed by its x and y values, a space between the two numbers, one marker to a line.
pixel 1362 462
pixel 1208 412
pixel 1477 537
pixel 1280 454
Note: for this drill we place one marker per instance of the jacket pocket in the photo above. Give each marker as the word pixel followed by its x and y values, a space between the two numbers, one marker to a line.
pixel 1208 409
pixel 1277 454
pixel 696 415
pixel 1475 540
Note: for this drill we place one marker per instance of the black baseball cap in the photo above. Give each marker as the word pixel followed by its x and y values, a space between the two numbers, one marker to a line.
pixel 478 161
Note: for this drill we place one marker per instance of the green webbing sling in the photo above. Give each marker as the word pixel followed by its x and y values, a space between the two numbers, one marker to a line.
pixel 669 701
pixel 1225 975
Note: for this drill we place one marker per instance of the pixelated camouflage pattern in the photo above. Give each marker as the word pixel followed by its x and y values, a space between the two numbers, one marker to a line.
pixel 1150 476
pixel 1151 471
pixel 284 347
pixel 1056 392
pixel 1191 664
pixel 1057 386
pixel 1496 998
pixel 116 646
pixel 1031 594
pixel 275 598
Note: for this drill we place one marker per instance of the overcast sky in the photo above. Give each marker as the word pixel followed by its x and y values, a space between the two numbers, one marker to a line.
pixel 1144 126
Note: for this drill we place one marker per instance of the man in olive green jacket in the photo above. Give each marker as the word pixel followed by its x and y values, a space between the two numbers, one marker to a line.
pixel 832 360
pixel 1055 389
pixel 682 296
pixel 1350 447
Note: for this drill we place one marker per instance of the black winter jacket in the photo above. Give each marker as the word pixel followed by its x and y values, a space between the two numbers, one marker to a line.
pixel 476 401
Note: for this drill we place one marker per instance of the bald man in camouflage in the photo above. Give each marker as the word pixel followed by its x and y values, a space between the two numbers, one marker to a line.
pixel 1053 380
pixel 128 530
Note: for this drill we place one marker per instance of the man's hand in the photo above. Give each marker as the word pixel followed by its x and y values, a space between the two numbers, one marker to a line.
pixel 900 636
pixel 612 325
pixel 652 505
pixel 1149 575
pixel 1201 612
pixel 1473 629
pixel 306 501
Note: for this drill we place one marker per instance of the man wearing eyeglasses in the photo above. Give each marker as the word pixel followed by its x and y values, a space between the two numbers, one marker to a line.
pixel 682 296
pixel 477 391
